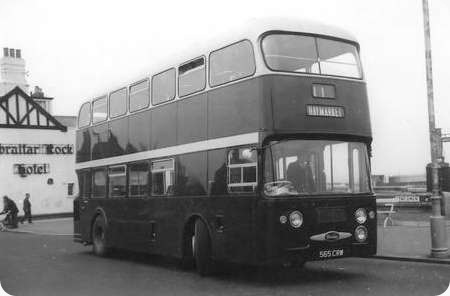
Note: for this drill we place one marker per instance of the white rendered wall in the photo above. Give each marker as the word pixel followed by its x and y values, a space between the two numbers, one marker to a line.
pixel 45 198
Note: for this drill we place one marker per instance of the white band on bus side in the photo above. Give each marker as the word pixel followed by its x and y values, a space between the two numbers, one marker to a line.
pixel 243 139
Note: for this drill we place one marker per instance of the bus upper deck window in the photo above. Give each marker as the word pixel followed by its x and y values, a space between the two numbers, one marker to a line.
pixel 139 95
pixel 99 110
pixel 191 77
pixel 231 63
pixel 307 54
pixel 84 118
pixel 118 103
pixel 163 87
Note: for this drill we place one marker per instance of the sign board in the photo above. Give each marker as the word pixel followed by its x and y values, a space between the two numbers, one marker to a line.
pixel 34 149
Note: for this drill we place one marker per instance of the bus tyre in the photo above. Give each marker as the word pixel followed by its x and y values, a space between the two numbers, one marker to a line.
pixel 202 249
pixel 99 237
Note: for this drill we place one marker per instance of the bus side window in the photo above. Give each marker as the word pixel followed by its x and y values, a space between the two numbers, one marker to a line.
pixel 99 183
pixel 85 183
pixel 242 170
pixel 163 87
pixel 163 177
pixel 117 181
pixel 191 77
pixel 231 63
pixel 138 179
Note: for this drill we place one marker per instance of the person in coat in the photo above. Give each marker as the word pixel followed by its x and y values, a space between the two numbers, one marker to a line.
pixel 11 211
pixel 26 209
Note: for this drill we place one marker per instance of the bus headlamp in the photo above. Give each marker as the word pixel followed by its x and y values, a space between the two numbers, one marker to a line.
pixel 296 219
pixel 361 234
pixel 361 216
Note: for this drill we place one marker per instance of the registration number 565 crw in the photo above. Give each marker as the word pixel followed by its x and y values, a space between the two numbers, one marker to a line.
pixel 331 253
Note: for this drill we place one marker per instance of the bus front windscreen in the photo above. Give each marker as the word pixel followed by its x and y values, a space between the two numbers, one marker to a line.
pixel 308 54
pixel 308 167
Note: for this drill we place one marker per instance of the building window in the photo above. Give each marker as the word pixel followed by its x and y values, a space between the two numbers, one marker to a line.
pixel 117 181
pixel 70 189
pixel 99 183
pixel 163 177
pixel 139 95
pixel 99 110
pixel 163 87
pixel 138 179
pixel 118 103
pixel 242 172
pixel 84 117
pixel 231 63
pixel 191 77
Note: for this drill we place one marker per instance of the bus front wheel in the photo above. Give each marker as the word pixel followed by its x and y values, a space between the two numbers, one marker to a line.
pixel 202 249
pixel 99 237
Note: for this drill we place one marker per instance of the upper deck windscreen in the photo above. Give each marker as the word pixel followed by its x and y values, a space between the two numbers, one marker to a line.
pixel 308 54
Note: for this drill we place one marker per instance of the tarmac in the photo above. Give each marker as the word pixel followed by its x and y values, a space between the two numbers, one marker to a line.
pixel 404 241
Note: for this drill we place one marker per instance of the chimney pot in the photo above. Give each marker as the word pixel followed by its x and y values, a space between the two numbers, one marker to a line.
pixel 5 52
pixel 18 53
pixel 11 52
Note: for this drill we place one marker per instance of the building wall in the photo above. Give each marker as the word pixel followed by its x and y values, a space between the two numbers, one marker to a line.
pixel 45 198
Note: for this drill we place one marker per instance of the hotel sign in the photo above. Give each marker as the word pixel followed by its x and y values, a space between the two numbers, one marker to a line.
pixel 34 149
pixel 31 169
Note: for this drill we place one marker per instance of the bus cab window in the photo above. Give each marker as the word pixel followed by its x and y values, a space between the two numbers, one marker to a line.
pixel 242 172
pixel 117 181
pixel 163 175
pixel 138 179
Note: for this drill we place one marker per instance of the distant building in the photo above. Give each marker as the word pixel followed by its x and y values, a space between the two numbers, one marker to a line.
pixel 36 148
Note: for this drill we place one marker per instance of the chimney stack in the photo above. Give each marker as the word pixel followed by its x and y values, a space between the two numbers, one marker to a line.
pixel 12 71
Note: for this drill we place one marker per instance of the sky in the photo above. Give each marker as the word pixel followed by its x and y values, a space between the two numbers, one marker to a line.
pixel 76 49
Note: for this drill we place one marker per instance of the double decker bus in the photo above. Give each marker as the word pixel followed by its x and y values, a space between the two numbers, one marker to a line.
pixel 254 151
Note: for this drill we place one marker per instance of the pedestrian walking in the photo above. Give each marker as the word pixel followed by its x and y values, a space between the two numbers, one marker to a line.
pixel 26 209
pixel 10 209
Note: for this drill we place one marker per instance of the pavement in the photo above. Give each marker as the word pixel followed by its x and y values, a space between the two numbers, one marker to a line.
pixel 405 240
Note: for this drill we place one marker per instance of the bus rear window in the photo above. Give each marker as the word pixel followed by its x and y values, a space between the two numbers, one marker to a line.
pixel 231 63
pixel 306 54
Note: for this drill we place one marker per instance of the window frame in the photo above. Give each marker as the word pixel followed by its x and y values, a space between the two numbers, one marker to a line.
pixel 149 94
pixel 174 86
pixel 315 36
pixel 240 78
pixel 126 102
pixel 90 115
pixel 92 109
pixel 166 194
pixel 109 193
pixel 205 76
pixel 106 195
pixel 148 185
pixel 242 166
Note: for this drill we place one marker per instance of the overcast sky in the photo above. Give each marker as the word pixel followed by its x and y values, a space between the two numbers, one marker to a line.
pixel 77 49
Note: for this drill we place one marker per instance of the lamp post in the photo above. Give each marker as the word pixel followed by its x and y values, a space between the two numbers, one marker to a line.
pixel 437 222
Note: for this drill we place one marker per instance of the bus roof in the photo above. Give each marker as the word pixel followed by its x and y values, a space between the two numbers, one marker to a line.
pixel 250 29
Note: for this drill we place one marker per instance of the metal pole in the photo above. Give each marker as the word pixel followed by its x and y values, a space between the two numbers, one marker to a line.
pixel 437 221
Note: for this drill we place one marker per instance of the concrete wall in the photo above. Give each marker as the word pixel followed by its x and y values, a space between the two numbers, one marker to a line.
pixel 45 198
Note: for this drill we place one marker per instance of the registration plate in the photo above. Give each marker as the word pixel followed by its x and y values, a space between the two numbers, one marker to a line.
pixel 331 253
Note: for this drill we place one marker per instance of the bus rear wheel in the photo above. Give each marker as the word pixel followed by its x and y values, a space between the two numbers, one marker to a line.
pixel 201 243
pixel 99 237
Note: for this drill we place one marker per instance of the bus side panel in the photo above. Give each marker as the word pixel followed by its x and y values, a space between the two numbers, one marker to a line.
pixel 234 109
pixel 192 119
pixel 163 126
